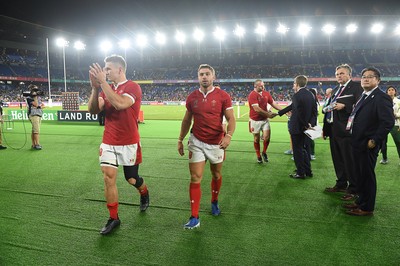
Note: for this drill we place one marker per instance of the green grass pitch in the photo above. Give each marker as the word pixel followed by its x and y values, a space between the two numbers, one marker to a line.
pixel 52 205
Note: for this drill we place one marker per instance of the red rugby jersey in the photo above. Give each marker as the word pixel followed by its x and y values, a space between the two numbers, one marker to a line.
pixel 262 99
pixel 121 126
pixel 208 111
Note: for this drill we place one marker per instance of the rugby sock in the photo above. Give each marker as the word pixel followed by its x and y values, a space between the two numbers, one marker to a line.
pixel 257 148
pixel 143 191
pixel 215 188
pixel 195 196
pixel 266 144
pixel 113 209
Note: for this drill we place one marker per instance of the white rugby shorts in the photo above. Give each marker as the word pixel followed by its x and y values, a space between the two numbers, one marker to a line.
pixel 257 126
pixel 200 151
pixel 126 155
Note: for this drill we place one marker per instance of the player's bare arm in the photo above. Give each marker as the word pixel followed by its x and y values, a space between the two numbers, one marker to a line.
pixel 230 118
pixel 120 102
pixel 264 113
pixel 185 126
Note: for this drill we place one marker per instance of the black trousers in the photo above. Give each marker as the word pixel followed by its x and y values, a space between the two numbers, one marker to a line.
pixel 364 166
pixel 301 154
pixel 342 157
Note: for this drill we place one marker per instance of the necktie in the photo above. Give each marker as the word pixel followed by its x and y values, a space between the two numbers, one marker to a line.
pixel 358 104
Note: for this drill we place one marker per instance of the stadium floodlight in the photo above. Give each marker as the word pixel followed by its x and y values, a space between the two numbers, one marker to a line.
pixel 239 31
pixel 328 29
pixel 397 30
pixel 105 46
pixel 61 42
pixel 351 28
pixel 219 33
pixel 260 29
pixel 124 44
pixel 78 45
pixel 198 34
pixel 304 29
pixel 141 40
pixel 161 39
pixel 180 37
pixel 377 28
pixel 282 29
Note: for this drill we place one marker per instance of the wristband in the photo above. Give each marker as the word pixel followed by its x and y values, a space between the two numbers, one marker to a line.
pixel 179 140
pixel 229 135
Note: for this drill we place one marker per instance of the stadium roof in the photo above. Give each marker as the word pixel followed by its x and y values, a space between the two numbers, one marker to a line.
pixel 93 18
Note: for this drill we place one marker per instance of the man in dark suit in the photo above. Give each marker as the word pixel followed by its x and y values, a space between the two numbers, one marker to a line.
pixel 304 111
pixel 344 96
pixel 369 123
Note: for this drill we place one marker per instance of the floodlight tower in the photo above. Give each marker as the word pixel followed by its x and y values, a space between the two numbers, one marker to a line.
pixel 329 29
pixel 141 41
pixel 303 30
pixel 61 42
pixel 180 37
pixel 79 46
pixel 219 34
pixel 282 30
pixel 198 35
pixel 261 30
pixel 105 46
pixel 124 44
pixel 161 39
pixel 239 31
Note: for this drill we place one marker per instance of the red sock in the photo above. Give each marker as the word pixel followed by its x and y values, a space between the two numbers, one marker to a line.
pixel 143 191
pixel 257 148
pixel 215 188
pixel 113 209
pixel 195 196
pixel 266 144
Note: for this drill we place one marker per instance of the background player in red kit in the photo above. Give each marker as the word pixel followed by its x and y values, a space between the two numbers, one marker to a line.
pixel 121 141
pixel 207 141
pixel 258 102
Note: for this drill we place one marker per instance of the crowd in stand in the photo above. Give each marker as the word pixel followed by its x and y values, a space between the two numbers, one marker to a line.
pixel 25 63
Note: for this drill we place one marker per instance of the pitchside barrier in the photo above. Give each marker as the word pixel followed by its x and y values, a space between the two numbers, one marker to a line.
pixel 54 115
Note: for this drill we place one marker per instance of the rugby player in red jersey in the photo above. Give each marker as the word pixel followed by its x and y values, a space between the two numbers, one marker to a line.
pixel 258 100
pixel 121 141
pixel 207 141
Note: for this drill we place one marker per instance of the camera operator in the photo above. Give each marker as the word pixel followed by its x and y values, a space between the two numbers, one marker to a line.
pixel 1 121
pixel 35 112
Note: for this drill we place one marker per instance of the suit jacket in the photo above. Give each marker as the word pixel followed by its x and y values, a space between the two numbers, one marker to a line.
pixel 304 111
pixel 373 120
pixel 340 117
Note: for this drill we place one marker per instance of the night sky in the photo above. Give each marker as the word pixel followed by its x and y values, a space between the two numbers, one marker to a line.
pixel 95 17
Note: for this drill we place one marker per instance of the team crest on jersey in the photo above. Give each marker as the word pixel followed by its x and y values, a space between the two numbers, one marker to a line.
pixel 195 104
pixel 213 103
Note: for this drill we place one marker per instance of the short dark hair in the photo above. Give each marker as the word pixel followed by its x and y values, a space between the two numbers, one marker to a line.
pixel 301 80
pixel 373 69
pixel 116 59
pixel 206 66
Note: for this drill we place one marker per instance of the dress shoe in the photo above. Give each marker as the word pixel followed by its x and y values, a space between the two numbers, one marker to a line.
pixel 348 197
pixel 359 212
pixel 297 176
pixel 350 206
pixel 335 189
